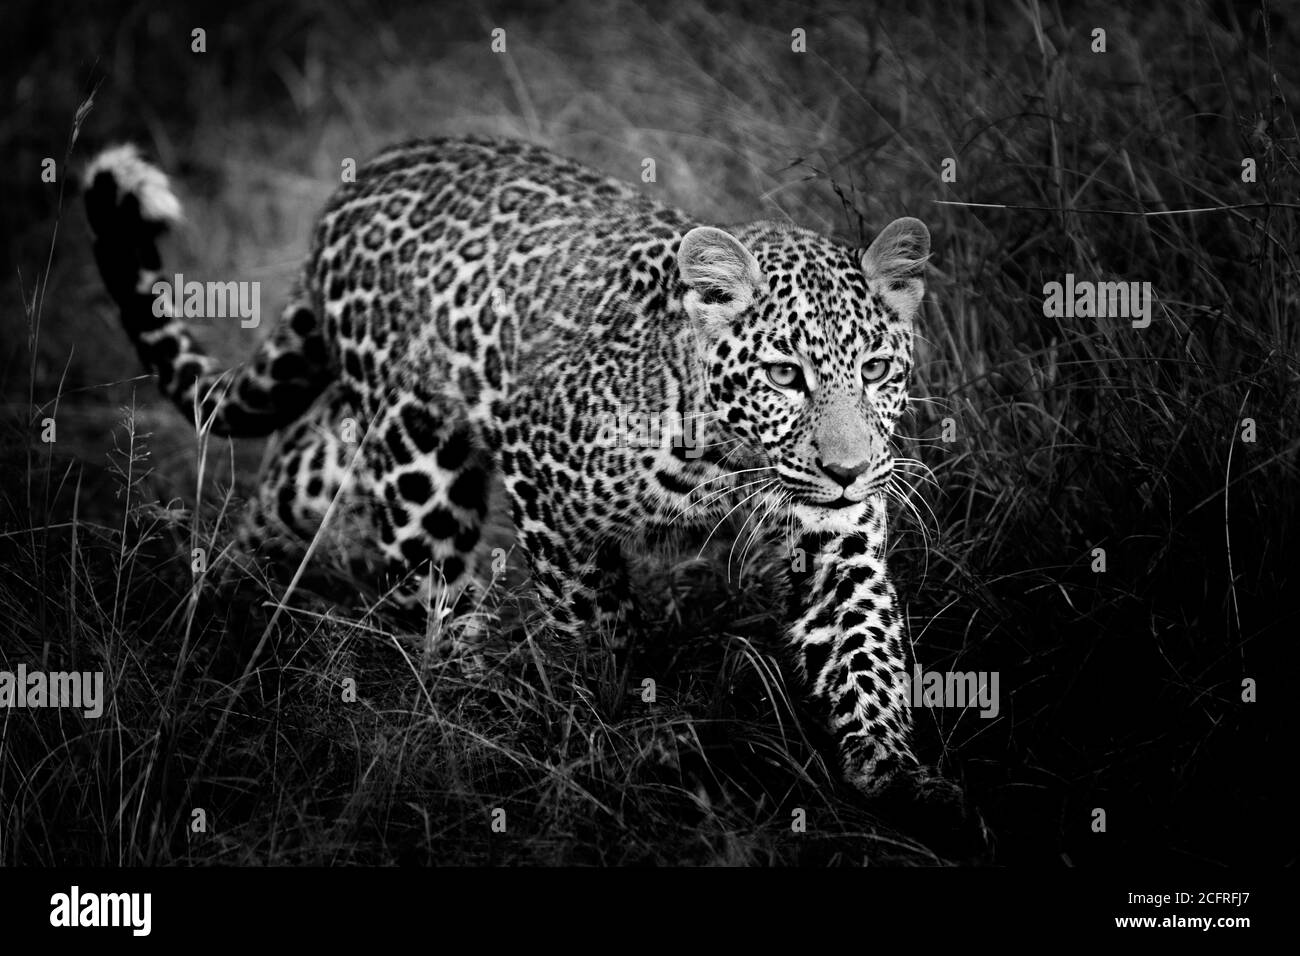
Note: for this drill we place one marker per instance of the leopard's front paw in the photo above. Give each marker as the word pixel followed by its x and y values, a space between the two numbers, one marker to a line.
pixel 919 784
pixel 919 800
pixel 872 769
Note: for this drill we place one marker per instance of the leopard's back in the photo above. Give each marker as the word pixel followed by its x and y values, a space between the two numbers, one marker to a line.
pixel 463 257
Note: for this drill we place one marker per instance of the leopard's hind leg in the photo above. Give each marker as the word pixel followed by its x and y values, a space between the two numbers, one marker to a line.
pixel 427 476
pixel 410 509
pixel 307 467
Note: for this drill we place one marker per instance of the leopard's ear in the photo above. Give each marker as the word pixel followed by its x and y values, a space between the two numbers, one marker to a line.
pixel 895 263
pixel 722 277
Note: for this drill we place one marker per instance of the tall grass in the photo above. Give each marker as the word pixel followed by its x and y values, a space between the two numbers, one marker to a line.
pixel 1120 690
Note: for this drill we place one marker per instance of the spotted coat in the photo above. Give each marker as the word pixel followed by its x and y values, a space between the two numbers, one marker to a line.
pixel 473 309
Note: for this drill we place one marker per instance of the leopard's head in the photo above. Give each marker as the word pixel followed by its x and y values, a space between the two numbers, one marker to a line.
pixel 807 351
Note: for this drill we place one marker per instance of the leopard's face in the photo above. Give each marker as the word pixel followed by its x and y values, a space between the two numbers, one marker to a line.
pixel 811 372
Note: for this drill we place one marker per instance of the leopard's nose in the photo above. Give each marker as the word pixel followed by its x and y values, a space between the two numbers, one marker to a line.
pixel 844 474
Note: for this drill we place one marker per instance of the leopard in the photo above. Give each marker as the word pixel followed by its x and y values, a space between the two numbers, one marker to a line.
pixel 481 310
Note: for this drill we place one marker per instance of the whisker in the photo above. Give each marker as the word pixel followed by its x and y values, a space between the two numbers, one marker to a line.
pixel 691 506
pixel 925 472
pixel 771 506
pixel 927 546
pixel 896 486
pixel 732 474
pixel 768 482
pixel 741 530
pixel 922 400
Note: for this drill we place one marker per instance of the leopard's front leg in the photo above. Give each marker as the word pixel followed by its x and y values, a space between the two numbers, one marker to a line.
pixel 569 521
pixel 580 584
pixel 849 649
pixel 581 573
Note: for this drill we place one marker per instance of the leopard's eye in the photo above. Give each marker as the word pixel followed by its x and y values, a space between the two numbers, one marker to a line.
pixel 785 375
pixel 875 370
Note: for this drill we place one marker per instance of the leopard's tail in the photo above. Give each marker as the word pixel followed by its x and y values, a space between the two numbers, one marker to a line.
pixel 130 206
